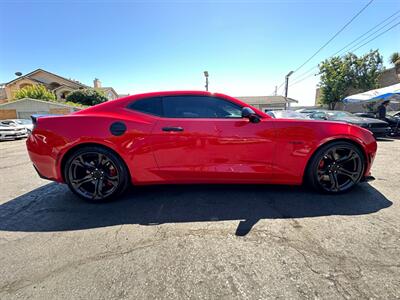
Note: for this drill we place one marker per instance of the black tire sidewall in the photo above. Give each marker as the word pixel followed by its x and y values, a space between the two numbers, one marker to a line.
pixel 311 175
pixel 122 170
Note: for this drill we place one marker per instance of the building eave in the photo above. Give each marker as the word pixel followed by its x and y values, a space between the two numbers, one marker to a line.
pixel 37 100
pixel 41 70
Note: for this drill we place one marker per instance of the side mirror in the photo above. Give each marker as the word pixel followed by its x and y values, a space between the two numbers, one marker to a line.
pixel 248 113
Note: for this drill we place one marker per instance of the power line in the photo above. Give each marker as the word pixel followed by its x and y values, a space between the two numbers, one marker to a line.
pixel 358 38
pixel 365 33
pixel 298 81
pixel 372 34
pixel 374 38
pixel 280 86
pixel 335 35
pixel 397 24
pixel 305 73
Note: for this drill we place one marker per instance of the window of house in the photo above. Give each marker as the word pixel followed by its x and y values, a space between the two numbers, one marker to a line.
pixel 152 106
pixel 64 94
pixel 200 107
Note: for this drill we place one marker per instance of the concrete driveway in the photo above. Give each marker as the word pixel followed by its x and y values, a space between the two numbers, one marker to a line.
pixel 199 242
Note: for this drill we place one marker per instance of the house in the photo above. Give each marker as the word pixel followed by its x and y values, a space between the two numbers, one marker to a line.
pixel 266 103
pixel 24 108
pixel 110 93
pixel 59 85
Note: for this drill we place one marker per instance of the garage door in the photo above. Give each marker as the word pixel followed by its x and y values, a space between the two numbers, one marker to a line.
pixel 27 114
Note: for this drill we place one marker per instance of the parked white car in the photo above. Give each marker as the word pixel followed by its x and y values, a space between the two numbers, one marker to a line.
pixel 19 123
pixel 286 114
pixel 9 132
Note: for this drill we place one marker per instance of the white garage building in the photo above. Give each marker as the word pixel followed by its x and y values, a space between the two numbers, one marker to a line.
pixel 24 108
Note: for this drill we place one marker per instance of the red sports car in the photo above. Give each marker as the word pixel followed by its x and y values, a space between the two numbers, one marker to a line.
pixel 189 137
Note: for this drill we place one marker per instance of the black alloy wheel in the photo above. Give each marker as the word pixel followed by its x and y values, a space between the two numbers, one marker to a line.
pixel 96 174
pixel 336 167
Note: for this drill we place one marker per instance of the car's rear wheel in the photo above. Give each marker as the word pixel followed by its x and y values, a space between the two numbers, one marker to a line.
pixel 336 167
pixel 96 174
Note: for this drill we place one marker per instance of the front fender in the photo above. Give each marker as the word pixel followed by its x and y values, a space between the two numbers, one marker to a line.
pixel 297 141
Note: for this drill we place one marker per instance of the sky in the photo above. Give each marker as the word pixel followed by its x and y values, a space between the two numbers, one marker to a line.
pixel 139 46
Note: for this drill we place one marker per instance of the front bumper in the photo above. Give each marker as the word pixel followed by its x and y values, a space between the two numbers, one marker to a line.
pixel 384 131
pixel 13 135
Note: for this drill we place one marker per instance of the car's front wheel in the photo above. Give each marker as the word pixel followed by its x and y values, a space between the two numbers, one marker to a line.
pixel 96 174
pixel 336 167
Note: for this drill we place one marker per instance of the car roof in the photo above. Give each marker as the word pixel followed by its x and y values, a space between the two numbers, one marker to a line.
pixel 128 99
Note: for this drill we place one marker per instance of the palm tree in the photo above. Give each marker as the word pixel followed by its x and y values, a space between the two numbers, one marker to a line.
pixel 395 58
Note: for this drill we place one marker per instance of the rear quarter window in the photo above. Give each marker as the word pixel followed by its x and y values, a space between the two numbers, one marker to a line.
pixel 150 106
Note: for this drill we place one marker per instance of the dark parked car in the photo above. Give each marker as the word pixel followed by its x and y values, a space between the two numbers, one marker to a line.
pixel 392 118
pixel 395 113
pixel 378 127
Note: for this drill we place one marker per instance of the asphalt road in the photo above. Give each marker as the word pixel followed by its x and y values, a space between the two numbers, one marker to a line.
pixel 199 242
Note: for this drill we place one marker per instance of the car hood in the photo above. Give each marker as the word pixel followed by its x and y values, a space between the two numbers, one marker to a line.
pixel 17 126
pixel 360 120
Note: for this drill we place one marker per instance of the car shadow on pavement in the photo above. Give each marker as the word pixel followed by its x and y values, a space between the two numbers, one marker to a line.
pixel 54 208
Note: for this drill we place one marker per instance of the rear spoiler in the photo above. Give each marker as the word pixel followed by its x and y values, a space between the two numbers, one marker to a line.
pixel 36 117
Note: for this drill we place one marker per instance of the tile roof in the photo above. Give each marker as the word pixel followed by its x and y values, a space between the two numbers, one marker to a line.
pixel 41 70
pixel 266 99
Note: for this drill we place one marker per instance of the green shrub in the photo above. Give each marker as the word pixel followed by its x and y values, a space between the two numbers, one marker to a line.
pixel 87 97
pixel 36 91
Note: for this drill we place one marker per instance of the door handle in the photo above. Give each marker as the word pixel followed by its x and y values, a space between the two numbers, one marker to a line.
pixel 172 129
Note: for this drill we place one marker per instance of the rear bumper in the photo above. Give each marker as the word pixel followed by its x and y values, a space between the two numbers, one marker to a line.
pixel 40 175
pixel 44 157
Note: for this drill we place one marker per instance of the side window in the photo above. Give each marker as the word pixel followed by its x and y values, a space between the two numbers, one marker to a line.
pixel 151 106
pixel 200 107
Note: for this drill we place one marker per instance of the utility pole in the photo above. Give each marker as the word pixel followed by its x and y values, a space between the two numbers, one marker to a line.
pixel 287 86
pixel 206 76
pixel 276 90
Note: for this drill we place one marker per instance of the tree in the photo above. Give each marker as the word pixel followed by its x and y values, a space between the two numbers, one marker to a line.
pixel 341 76
pixel 335 80
pixel 395 58
pixel 87 97
pixel 36 91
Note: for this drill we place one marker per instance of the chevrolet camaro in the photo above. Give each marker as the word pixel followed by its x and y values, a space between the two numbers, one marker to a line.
pixel 190 137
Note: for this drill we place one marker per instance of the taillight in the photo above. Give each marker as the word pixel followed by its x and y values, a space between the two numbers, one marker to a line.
pixel 34 121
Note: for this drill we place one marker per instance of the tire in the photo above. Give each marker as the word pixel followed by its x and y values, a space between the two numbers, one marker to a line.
pixel 96 174
pixel 336 167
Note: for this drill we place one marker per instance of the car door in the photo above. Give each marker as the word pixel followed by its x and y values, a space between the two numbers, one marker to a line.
pixel 184 139
pixel 245 149
pixel 205 139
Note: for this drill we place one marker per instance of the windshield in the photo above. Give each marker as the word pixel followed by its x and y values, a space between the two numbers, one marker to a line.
pixel 23 122
pixel 393 113
pixel 338 114
pixel 289 114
